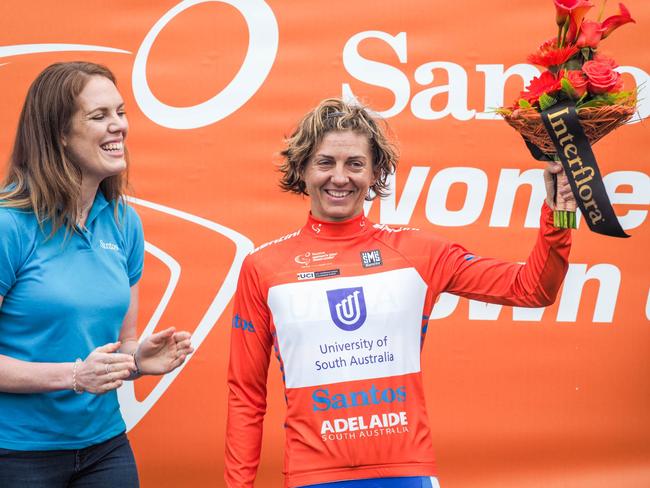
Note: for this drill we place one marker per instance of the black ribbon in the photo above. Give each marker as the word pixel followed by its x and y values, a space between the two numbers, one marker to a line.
pixel 574 152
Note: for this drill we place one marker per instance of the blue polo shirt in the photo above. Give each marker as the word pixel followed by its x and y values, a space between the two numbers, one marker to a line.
pixel 63 297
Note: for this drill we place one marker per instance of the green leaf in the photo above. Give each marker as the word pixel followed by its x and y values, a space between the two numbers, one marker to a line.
pixel 546 101
pixel 567 88
pixel 582 98
pixel 524 103
pixel 586 53
pixel 598 101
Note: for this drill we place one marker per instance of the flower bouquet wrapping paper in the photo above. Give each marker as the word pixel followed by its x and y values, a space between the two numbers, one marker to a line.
pixel 577 100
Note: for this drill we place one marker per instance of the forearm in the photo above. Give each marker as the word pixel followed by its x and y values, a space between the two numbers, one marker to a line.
pixel 534 284
pixel 26 377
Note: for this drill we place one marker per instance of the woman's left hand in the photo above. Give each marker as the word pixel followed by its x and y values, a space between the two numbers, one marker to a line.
pixel 163 351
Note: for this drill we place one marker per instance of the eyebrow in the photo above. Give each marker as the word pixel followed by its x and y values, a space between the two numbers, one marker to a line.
pixel 354 156
pixel 103 108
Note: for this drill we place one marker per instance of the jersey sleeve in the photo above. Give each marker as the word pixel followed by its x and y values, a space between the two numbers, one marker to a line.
pixel 533 284
pixel 134 245
pixel 250 348
pixel 10 251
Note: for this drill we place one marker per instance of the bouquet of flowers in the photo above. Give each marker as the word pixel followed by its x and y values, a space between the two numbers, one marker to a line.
pixel 579 86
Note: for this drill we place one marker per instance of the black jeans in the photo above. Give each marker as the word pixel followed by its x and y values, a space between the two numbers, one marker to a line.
pixel 108 464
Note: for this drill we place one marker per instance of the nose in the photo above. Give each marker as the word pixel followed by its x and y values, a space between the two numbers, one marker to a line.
pixel 339 175
pixel 118 124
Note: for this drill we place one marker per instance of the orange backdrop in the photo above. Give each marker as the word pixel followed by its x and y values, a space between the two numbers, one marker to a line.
pixel 550 398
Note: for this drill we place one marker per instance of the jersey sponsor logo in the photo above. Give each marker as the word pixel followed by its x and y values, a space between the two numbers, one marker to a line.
pixel 314 275
pixel 386 228
pixel 314 258
pixel 240 323
pixel 276 241
pixel 111 246
pixel 364 426
pixel 347 307
pixel 370 259
pixel 323 401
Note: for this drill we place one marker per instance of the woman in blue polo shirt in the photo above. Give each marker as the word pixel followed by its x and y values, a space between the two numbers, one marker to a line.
pixel 71 255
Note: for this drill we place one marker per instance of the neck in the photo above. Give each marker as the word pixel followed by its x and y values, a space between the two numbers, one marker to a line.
pixel 88 192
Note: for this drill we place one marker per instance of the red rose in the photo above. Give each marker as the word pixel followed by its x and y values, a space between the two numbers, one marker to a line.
pixel 601 58
pixel 546 83
pixel 602 78
pixel 615 21
pixel 578 81
pixel 590 34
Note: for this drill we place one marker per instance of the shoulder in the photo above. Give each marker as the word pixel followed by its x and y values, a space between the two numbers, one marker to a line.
pixel 405 236
pixel 128 214
pixel 17 221
pixel 275 246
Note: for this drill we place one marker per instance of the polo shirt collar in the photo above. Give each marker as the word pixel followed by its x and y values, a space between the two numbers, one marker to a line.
pixel 99 204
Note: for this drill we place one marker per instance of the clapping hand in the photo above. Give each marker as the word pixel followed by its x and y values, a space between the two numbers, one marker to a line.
pixel 163 351
pixel 104 369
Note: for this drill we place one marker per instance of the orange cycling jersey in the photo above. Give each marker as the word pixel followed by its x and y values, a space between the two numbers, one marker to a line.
pixel 344 306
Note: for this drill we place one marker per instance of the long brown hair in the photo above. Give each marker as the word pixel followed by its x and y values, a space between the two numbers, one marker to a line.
pixel 42 177
pixel 334 114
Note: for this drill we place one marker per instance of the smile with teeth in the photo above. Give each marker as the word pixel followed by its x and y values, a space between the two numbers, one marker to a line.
pixel 112 146
pixel 338 193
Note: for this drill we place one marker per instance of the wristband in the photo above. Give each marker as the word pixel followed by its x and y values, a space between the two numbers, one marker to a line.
pixel 137 368
pixel 135 374
pixel 75 387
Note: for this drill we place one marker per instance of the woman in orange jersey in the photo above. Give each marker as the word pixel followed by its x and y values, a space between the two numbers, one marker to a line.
pixel 344 303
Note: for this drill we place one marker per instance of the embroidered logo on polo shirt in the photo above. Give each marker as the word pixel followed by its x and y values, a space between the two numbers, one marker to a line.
pixel 108 245
pixel 370 259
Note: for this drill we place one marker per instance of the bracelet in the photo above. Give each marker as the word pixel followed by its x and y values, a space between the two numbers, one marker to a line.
pixel 75 386
pixel 137 368
pixel 135 374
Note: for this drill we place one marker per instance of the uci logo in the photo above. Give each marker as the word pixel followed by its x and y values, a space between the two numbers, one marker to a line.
pixel 347 307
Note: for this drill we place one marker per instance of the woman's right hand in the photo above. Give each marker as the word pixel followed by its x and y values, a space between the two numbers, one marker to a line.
pixel 104 369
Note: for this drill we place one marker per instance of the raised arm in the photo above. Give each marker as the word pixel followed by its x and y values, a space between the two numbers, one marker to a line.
pixel 533 284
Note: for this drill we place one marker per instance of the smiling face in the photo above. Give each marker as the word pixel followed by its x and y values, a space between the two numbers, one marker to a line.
pixel 95 141
pixel 338 175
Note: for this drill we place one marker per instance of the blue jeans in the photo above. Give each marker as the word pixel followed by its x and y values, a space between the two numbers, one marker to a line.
pixel 108 464
pixel 401 482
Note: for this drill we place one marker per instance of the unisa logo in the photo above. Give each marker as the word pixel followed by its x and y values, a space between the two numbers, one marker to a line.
pixel 347 307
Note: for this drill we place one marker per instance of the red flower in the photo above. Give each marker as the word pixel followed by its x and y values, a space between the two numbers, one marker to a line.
pixel 570 8
pixel 601 58
pixel 546 83
pixel 549 54
pixel 578 81
pixel 590 34
pixel 602 78
pixel 615 21
pixel 575 10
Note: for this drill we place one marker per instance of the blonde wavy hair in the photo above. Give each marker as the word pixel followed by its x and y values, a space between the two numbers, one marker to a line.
pixel 41 176
pixel 334 114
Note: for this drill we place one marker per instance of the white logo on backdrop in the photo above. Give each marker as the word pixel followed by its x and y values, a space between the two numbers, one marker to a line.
pixel 260 56
pixel 133 410
pixel 262 48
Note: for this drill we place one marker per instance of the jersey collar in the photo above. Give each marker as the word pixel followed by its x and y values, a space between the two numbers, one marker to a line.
pixel 333 230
